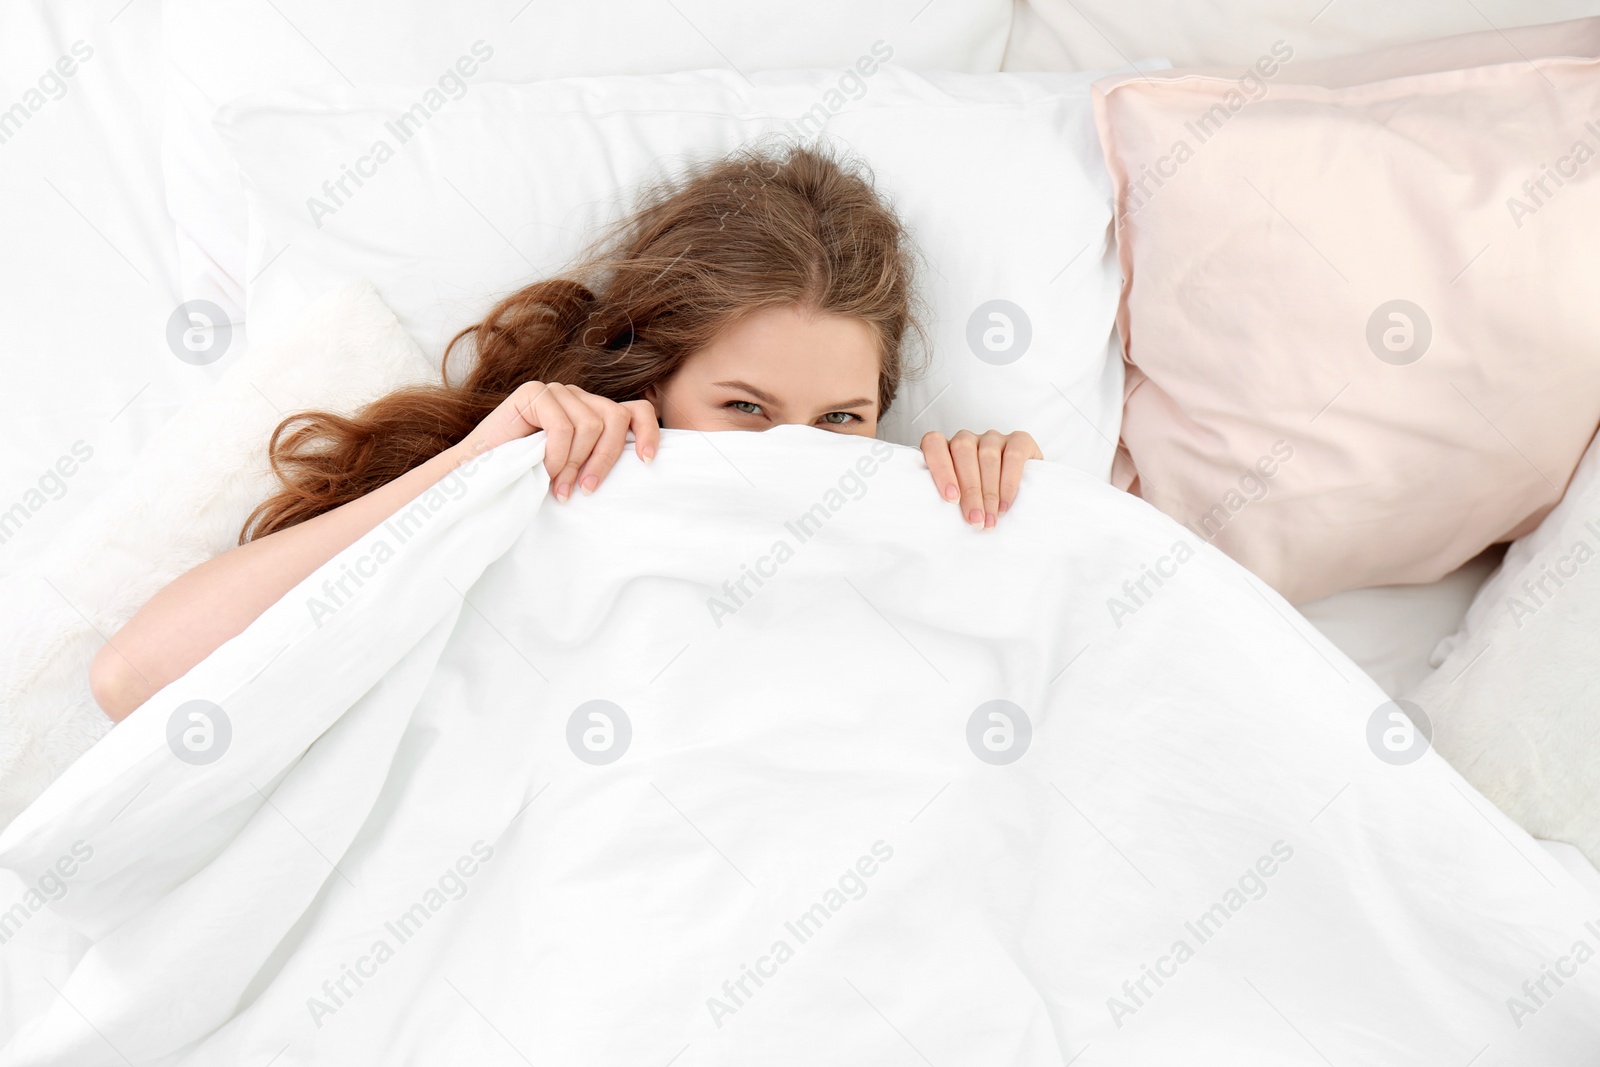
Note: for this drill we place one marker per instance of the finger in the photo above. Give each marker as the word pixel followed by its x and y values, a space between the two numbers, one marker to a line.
pixel 1019 449
pixel 513 417
pixel 964 452
pixel 608 449
pixel 549 414
pixel 525 403
pixel 991 447
pixel 587 426
pixel 646 431
pixel 936 451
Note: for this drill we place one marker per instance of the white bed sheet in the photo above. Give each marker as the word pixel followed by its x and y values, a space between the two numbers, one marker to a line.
pixel 87 263
pixel 87 285
pixel 1392 630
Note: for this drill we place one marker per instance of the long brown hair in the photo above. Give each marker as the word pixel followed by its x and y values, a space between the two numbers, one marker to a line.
pixel 796 226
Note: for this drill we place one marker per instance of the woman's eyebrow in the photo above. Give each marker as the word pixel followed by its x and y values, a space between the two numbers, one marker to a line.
pixel 765 397
pixel 772 401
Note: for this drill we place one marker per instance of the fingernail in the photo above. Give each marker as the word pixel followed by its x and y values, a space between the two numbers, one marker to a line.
pixel 1005 505
pixel 648 454
pixel 988 521
pixel 563 491
pixel 590 484
pixel 951 492
pixel 975 517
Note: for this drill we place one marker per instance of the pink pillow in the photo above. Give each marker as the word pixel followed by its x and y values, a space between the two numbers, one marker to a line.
pixel 1361 309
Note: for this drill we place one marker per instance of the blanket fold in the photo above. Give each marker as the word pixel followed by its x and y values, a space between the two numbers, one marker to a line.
pixel 760 754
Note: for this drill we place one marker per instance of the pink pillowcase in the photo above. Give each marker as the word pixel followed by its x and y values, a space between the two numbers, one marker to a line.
pixel 1361 309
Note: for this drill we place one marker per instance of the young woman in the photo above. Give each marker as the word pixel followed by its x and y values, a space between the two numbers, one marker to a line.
pixel 767 289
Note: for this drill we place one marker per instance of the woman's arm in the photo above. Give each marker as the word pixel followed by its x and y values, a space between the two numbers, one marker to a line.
pixel 188 619
pixel 193 615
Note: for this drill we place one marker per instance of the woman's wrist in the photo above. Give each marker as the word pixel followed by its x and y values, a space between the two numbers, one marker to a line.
pixel 458 454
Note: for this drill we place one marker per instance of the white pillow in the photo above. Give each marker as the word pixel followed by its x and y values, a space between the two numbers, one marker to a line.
pixel 221 49
pixel 187 499
pixel 1515 701
pixel 999 177
pixel 1093 34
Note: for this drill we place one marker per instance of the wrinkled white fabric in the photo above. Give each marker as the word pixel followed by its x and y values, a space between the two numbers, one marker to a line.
pixel 807 845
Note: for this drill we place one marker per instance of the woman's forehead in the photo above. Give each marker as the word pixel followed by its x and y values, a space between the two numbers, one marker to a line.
pixel 796 355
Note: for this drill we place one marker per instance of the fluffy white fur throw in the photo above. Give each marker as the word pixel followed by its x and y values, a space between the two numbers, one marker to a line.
pixel 194 485
pixel 1515 702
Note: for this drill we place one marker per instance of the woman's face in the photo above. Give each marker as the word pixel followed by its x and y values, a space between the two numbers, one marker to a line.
pixel 777 366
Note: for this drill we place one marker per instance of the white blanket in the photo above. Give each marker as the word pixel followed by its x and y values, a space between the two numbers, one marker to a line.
pixel 799 829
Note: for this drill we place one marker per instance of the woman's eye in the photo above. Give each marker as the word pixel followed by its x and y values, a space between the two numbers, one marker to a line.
pixel 840 418
pixel 745 407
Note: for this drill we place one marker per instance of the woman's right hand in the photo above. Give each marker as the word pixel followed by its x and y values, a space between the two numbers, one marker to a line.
pixel 584 434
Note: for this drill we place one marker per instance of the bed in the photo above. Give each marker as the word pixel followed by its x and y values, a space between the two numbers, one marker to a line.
pixel 146 336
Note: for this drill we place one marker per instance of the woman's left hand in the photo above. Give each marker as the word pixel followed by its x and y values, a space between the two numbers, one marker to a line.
pixel 982 471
